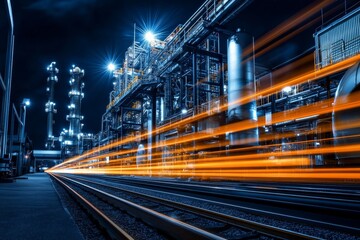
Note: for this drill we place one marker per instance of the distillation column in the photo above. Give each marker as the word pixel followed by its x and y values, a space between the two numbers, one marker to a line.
pixel 74 117
pixel 240 85
pixel 50 105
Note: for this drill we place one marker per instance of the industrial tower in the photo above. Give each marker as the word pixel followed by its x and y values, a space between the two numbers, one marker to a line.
pixel 50 105
pixel 71 139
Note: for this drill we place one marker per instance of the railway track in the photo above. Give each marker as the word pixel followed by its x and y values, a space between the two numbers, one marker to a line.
pixel 348 192
pixel 177 220
pixel 335 223
pixel 334 203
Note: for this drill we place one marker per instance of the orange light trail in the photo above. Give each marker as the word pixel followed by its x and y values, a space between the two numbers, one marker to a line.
pixel 220 162
pixel 305 111
pixel 309 76
pixel 231 162
pixel 238 164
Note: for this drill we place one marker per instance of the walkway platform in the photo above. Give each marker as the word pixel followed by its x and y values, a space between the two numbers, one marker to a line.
pixel 31 209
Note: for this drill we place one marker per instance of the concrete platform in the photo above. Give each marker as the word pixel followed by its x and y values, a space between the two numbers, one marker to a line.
pixel 31 209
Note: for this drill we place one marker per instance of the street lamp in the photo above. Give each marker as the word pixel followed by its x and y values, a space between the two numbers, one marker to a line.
pixel 25 103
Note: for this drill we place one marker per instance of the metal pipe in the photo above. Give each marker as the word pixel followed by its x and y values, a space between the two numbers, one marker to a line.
pixel 241 84
pixel 162 109
pixel 2 83
pixel 8 77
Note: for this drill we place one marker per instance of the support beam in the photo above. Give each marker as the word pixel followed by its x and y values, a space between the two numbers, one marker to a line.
pixel 8 78
pixel 202 52
pixel 194 82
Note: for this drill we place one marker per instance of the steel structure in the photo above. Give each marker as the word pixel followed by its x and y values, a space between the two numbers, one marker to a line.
pixel 72 138
pixel 50 105
pixel 170 80
pixel 6 86
pixel 176 102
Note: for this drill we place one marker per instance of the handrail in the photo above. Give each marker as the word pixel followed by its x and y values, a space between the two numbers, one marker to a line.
pixel 329 56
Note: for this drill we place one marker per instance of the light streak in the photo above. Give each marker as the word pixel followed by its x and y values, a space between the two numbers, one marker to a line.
pixel 323 107
pixel 291 165
pixel 308 76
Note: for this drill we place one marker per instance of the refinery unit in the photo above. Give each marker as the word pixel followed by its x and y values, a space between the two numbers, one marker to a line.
pixel 243 122
pixel 50 105
pixel 204 92
pixel 72 141
pixel 182 99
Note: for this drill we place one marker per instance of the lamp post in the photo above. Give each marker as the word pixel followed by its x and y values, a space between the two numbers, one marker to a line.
pixel 25 103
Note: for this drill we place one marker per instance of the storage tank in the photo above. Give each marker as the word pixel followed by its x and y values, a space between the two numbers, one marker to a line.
pixel 241 84
pixel 349 84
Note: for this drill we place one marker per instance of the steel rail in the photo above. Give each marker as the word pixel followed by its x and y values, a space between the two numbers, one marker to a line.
pixel 311 192
pixel 264 229
pixel 111 228
pixel 319 191
pixel 226 192
pixel 328 225
pixel 172 227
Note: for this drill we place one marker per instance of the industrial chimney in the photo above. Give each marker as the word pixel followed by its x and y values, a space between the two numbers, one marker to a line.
pixel 50 105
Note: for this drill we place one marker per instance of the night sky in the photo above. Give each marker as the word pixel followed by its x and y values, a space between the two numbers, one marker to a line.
pixel 92 33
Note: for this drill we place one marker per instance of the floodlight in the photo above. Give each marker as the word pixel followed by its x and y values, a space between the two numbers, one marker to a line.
pixel 149 36
pixel 111 67
pixel 26 102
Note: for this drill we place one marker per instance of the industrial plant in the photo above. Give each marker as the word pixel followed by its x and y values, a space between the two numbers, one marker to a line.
pixel 242 121
pixel 210 94
pixel 206 97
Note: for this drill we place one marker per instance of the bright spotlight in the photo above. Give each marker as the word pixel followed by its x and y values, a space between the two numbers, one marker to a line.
pixel 149 36
pixel 111 67
pixel 26 102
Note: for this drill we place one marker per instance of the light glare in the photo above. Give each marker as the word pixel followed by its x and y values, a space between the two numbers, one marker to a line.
pixel 26 102
pixel 287 89
pixel 149 36
pixel 111 67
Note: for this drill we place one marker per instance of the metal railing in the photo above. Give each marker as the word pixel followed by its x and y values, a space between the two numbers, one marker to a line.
pixel 130 87
pixel 195 26
pixel 205 15
pixel 338 52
